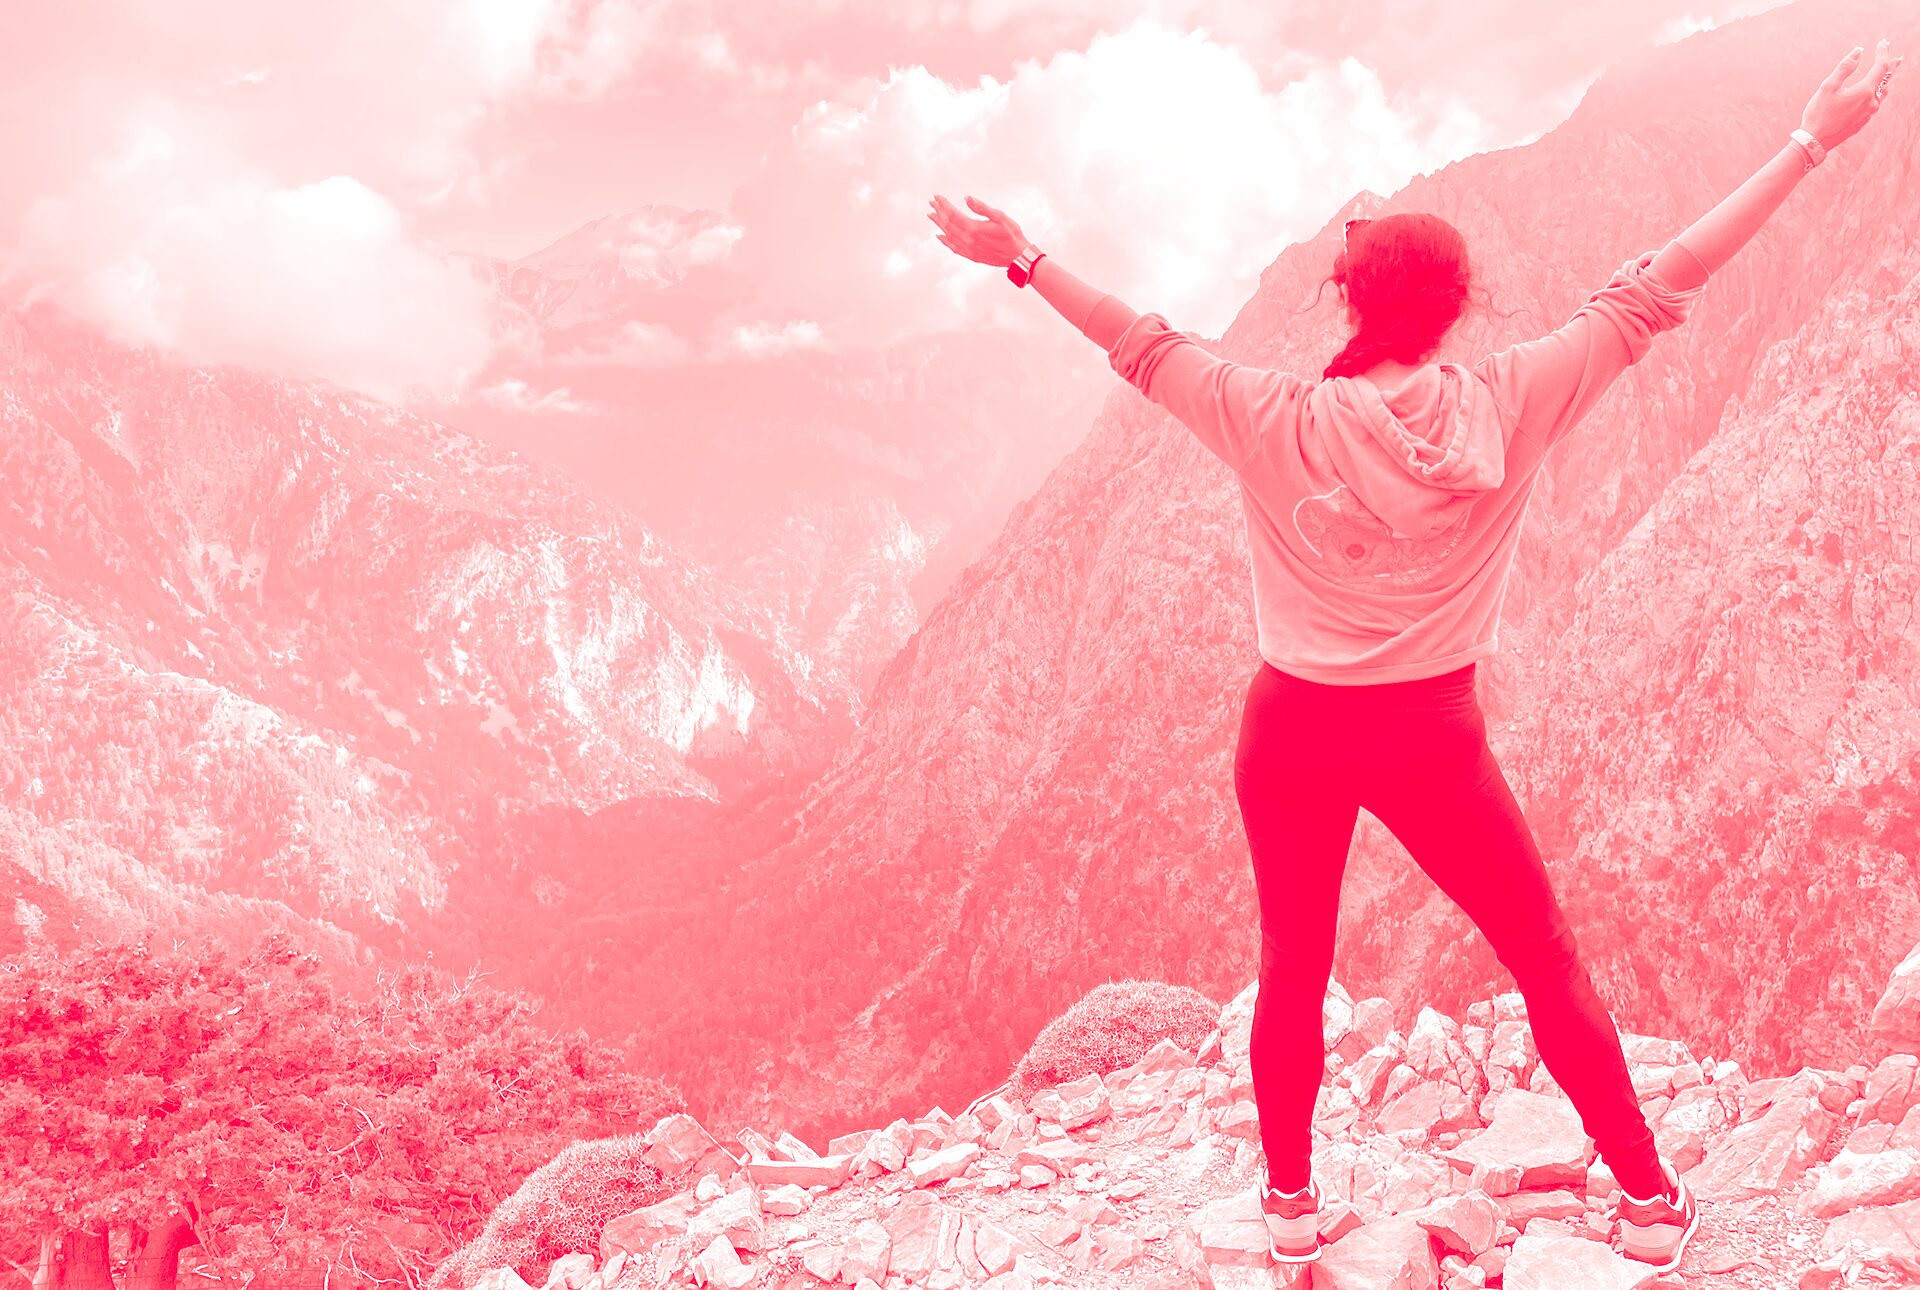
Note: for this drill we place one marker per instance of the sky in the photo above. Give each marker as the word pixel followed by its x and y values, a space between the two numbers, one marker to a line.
pixel 300 188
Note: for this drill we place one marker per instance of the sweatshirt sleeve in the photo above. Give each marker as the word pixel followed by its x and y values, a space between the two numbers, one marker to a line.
pixel 1227 405
pixel 1553 382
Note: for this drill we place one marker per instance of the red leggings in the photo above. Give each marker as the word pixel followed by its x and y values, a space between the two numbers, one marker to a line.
pixel 1415 755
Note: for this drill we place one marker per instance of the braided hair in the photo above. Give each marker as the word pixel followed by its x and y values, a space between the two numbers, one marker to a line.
pixel 1407 277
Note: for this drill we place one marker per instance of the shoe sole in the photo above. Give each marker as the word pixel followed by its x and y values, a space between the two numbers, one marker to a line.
pixel 1652 1249
pixel 1288 1238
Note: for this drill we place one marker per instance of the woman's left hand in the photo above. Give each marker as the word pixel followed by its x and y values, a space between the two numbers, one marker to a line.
pixel 993 240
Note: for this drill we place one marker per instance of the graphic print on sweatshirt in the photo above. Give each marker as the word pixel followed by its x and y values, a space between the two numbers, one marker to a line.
pixel 1353 546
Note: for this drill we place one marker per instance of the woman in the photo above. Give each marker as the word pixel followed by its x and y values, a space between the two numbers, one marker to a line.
pixel 1383 506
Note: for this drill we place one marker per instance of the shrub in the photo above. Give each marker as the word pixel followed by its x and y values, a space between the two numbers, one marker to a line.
pixel 559 1209
pixel 1112 1026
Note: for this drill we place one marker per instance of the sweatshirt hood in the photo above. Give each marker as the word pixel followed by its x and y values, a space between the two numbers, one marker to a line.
pixel 1419 455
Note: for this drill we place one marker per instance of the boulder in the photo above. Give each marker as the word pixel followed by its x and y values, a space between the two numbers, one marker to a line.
pixel 735 1216
pixel 1890 1090
pixel 1768 1153
pixel 1542 1136
pixel 924 1235
pixel 1892 1227
pixel 1896 1017
pixel 1465 1224
pixel 865 1253
pixel 719 1265
pixel 1559 1262
pixel 639 1230
pixel 1851 1180
pixel 678 1144
pixel 1386 1253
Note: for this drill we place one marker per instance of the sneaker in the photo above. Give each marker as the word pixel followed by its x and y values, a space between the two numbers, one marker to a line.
pixel 1293 1222
pixel 1656 1231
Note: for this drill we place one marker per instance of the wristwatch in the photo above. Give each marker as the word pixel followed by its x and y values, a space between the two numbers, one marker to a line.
pixel 1809 145
pixel 1022 267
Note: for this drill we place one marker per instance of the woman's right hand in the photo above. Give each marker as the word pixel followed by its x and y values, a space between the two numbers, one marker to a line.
pixel 1838 110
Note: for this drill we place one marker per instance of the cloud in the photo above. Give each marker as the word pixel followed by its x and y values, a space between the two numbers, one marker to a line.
pixel 635 344
pixel 1156 163
pixel 515 395
pixel 764 340
pixel 173 244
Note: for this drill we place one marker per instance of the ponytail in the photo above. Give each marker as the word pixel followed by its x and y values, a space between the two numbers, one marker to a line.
pixel 1407 279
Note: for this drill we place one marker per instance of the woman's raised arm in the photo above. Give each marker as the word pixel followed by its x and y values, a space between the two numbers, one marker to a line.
pixel 1834 114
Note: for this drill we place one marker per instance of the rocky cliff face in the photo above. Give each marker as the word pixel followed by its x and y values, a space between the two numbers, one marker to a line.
pixel 840 488
pixel 1447 1156
pixel 268 643
pixel 1704 695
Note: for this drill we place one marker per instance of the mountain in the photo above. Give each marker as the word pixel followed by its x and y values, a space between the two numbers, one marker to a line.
pixel 275 652
pixel 1447 1155
pixel 1703 696
pixel 837 485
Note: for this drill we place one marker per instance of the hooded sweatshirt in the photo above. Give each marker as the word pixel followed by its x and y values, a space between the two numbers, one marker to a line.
pixel 1383 522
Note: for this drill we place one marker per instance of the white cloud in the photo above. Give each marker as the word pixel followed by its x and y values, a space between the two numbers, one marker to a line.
pixel 171 244
pixel 1157 164
pixel 636 344
pixel 764 340
pixel 516 395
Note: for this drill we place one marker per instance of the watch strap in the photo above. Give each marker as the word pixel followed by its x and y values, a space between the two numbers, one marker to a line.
pixel 1809 145
pixel 1021 270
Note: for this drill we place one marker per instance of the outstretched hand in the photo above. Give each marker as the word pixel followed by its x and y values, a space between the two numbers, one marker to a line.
pixel 1839 108
pixel 993 240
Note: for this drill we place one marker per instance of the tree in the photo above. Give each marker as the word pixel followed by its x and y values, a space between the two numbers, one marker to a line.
pixel 246 1106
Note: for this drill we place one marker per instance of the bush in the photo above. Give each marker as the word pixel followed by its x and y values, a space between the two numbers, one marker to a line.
pixel 1113 1026
pixel 559 1209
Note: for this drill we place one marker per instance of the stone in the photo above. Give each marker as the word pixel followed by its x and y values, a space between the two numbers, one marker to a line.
pixel 1770 1152
pixel 793 1148
pixel 1433 1044
pixel 735 1216
pixel 1540 1135
pixel 1890 1089
pixel 924 1233
pixel 719 1265
pixel 941 1165
pixel 787 1200
pixel 1695 1117
pixel 822 1259
pixel 677 1144
pixel 1890 1226
pixel 1522 1207
pixel 570 1271
pixel 1896 1017
pixel 1512 1047
pixel 1465 1223
pixel 865 1253
pixel 993 1246
pixel 823 1171
pixel 1429 1107
pixel 1850 1181
pixel 500 1279
pixel 1652 1050
pixel 1059 1155
pixel 1557 1262
pixel 637 1231
pixel 1232 1230
pixel 1390 1252
pixel 1074 1104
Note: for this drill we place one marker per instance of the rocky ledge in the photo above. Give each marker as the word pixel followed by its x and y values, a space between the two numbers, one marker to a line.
pixel 1449 1157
